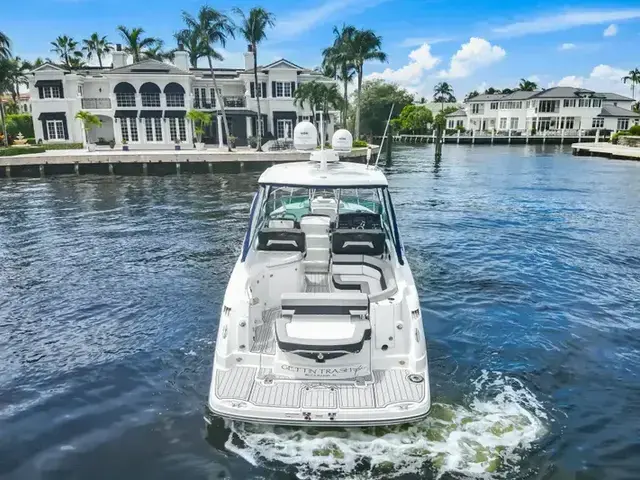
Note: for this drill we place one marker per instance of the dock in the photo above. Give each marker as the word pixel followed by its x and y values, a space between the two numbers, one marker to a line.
pixel 153 162
pixel 484 138
pixel 621 152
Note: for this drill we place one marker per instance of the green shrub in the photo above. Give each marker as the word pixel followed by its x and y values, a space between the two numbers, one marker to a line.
pixel 360 144
pixel 31 140
pixel 617 135
pixel 21 150
pixel 21 122
pixel 63 146
pixel 635 130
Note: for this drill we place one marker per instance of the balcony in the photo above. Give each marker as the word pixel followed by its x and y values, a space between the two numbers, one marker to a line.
pixel 96 103
pixel 203 104
pixel 234 102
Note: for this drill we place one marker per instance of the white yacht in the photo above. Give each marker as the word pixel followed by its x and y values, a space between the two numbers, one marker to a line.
pixel 321 319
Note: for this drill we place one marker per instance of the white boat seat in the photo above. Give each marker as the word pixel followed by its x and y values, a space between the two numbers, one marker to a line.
pixel 334 334
pixel 281 240
pixel 367 267
pixel 315 224
pixel 334 303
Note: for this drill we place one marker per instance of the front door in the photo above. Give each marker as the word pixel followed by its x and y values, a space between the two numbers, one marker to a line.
pixel 284 129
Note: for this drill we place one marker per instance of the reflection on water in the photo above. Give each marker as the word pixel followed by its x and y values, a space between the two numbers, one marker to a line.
pixel 527 261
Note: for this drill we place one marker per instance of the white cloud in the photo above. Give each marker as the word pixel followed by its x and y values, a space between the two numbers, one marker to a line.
pixel 567 46
pixel 566 20
pixel 418 41
pixel 611 30
pixel 305 19
pixel 475 54
pixel 410 75
pixel 603 78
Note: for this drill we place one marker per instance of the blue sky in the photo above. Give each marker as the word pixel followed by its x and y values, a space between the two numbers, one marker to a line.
pixel 473 45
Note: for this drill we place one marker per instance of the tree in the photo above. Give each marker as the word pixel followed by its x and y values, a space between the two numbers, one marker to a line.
pixel 337 62
pixel 377 98
pixel 492 91
pixel 191 42
pixel 632 77
pixel 89 121
pixel 527 85
pixel 414 118
pixel 66 48
pixel 308 93
pixel 507 91
pixel 156 52
pixel 6 81
pixel 212 27
pixel 362 46
pixel 135 43
pixel 470 95
pixel 330 99
pixel 200 120
pixel 443 93
pixel 5 46
pixel 97 45
pixel 253 28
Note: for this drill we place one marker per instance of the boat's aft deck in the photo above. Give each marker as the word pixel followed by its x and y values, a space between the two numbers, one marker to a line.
pixel 260 387
pixel 265 337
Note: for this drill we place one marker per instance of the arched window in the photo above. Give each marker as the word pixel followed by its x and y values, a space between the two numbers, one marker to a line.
pixel 125 94
pixel 150 95
pixel 174 94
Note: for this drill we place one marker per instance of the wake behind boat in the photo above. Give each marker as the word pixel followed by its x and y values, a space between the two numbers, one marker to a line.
pixel 321 320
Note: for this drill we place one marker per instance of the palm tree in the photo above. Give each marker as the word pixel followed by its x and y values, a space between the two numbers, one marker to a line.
pixel 470 95
pixel 65 47
pixel 7 73
pixel 98 45
pixel 19 76
pixel 254 30
pixel 308 93
pixel 633 77
pixel 135 42
pixel 363 45
pixel 527 85
pixel 443 93
pixel 192 44
pixel 337 63
pixel 212 27
pixel 156 52
pixel 329 99
pixel 5 46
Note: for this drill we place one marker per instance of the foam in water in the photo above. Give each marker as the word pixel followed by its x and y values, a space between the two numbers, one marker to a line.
pixel 485 438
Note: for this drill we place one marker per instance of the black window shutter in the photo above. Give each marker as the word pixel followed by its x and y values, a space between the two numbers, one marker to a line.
pixel 273 89
pixel 293 88
pixel 264 90
pixel 40 93
pixel 252 87
pixel 64 127
pixel 45 133
pixel 62 93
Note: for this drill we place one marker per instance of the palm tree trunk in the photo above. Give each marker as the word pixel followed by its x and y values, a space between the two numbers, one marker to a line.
pixel 99 59
pixel 357 136
pixel 258 93
pixel 221 101
pixel 4 124
pixel 345 107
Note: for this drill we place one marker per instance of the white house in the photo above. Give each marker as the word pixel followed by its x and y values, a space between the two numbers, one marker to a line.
pixel 145 103
pixel 558 108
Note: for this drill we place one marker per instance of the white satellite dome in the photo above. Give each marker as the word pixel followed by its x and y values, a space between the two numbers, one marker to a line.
pixel 305 136
pixel 342 140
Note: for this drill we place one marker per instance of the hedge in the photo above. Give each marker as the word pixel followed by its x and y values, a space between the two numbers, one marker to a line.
pixel 62 146
pixel 21 150
pixel 360 144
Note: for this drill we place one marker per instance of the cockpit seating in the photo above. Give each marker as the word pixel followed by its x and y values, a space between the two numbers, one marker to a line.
pixel 281 240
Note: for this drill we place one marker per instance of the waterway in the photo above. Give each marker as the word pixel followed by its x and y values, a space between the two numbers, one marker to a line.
pixel 527 261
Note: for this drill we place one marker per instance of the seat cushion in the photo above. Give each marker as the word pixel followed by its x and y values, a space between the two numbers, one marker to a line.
pixel 281 240
pixel 358 242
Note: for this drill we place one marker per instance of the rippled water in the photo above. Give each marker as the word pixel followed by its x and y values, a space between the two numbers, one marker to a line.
pixel 528 265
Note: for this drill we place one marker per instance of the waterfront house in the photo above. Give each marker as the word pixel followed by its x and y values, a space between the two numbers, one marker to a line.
pixel 144 104
pixel 555 110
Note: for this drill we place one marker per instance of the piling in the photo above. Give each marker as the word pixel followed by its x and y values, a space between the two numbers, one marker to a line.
pixel 439 141
pixel 389 147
